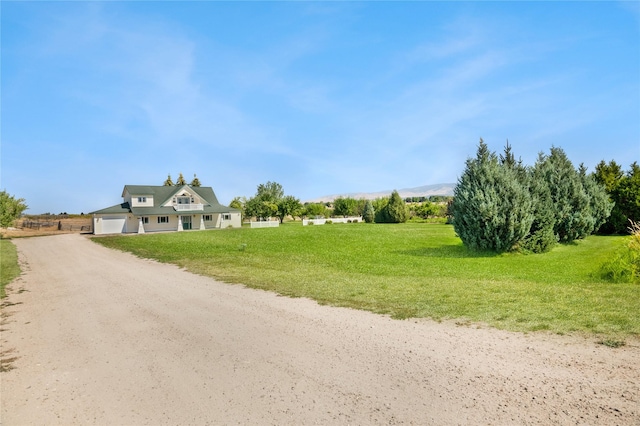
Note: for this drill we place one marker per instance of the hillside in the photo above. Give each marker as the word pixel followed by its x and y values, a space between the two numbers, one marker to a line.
pixel 419 191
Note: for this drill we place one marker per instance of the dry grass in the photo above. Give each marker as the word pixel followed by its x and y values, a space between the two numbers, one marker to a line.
pixel 73 224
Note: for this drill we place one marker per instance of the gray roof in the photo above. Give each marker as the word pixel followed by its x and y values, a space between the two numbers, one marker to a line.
pixel 162 194
pixel 118 208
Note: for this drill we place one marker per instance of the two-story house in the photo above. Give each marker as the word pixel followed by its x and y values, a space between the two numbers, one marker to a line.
pixel 165 208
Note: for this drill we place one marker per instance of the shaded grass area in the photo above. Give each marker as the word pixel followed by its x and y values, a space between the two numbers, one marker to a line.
pixel 9 268
pixel 410 270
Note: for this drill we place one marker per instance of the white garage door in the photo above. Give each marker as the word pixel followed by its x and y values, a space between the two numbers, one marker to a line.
pixel 114 224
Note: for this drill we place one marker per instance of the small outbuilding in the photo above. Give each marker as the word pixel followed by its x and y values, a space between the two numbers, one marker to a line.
pixel 165 208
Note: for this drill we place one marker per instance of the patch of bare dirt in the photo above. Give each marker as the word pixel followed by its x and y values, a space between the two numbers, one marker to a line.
pixel 103 337
pixel 41 226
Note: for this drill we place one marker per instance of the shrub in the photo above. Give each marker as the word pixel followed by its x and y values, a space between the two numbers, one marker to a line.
pixel 329 222
pixel 625 265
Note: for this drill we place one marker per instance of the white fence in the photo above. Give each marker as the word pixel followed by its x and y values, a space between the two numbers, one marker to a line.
pixel 322 221
pixel 266 224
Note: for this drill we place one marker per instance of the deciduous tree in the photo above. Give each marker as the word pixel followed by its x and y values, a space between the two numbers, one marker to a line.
pixel 346 206
pixel 288 206
pixel 314 210
pixel 10 209
pixel 265 203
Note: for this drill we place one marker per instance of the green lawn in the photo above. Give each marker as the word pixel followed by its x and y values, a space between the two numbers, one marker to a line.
pixel 9 268
pixel 411 270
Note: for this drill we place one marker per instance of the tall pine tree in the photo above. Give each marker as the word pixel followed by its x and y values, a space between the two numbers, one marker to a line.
pixel 573 218
pixel 181 181
pixel 491 207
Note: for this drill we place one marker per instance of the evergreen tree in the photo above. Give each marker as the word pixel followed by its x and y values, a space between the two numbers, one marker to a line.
pixel 628 194
pixel 624 191
pixel 541 236
pixel 609 175
pixel 238 203
pixel 195 182
pixel 168 182
pixel 599 201
pixel 573 218
pixel 397 209
pixel 369 213
pixel 381 211
pixel 491 207
pixel 181 180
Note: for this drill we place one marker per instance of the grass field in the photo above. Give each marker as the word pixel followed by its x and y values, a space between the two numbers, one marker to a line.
pixel 9 268
pixel 411 270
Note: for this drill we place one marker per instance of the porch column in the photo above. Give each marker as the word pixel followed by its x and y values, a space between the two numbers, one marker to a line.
pixel 202 222
pixel 140 226
pixel 180 228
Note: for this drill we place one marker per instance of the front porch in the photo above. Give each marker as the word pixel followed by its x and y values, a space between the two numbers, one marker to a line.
pixel 183 222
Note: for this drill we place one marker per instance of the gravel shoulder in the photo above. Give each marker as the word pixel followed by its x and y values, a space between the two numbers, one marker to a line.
pixel 96 336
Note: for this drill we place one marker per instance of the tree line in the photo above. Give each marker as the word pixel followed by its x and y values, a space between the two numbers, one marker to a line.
pixel 181 181
pixel 271 201
pixel 500 204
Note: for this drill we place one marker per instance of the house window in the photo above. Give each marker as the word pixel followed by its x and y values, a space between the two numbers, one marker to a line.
pixel 163 219
pixel 142 199
pixel 145 219
pixel 226 216
pixel 207 217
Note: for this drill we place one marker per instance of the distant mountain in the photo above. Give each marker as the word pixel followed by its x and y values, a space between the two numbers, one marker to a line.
pixel 420 191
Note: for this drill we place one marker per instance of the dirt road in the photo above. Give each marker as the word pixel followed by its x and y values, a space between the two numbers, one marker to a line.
pixel 102 337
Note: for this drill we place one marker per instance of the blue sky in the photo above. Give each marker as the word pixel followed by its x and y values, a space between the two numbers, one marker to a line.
pixel 322 97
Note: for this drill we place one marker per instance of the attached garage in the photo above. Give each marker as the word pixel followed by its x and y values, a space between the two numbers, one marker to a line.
pixel 113 224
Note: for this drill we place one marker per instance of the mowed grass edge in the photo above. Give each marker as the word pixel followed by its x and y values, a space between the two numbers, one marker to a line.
pixel 9 268
pixel 411 271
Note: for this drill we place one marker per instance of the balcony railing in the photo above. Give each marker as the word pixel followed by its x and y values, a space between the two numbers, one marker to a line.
pixel 188 207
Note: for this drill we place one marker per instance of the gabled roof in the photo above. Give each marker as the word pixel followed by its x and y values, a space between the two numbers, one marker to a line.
pixel 118 208
pixel 162 194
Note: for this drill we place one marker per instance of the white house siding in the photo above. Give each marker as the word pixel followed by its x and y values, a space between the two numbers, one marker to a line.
pixel 132 224
pixel 135 203
pixel 154 226
pixel 236 220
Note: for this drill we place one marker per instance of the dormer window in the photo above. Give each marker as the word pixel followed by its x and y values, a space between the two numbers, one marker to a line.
pixel 142 199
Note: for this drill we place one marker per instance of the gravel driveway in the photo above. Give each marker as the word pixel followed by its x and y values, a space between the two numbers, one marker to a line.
pixel 95 336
